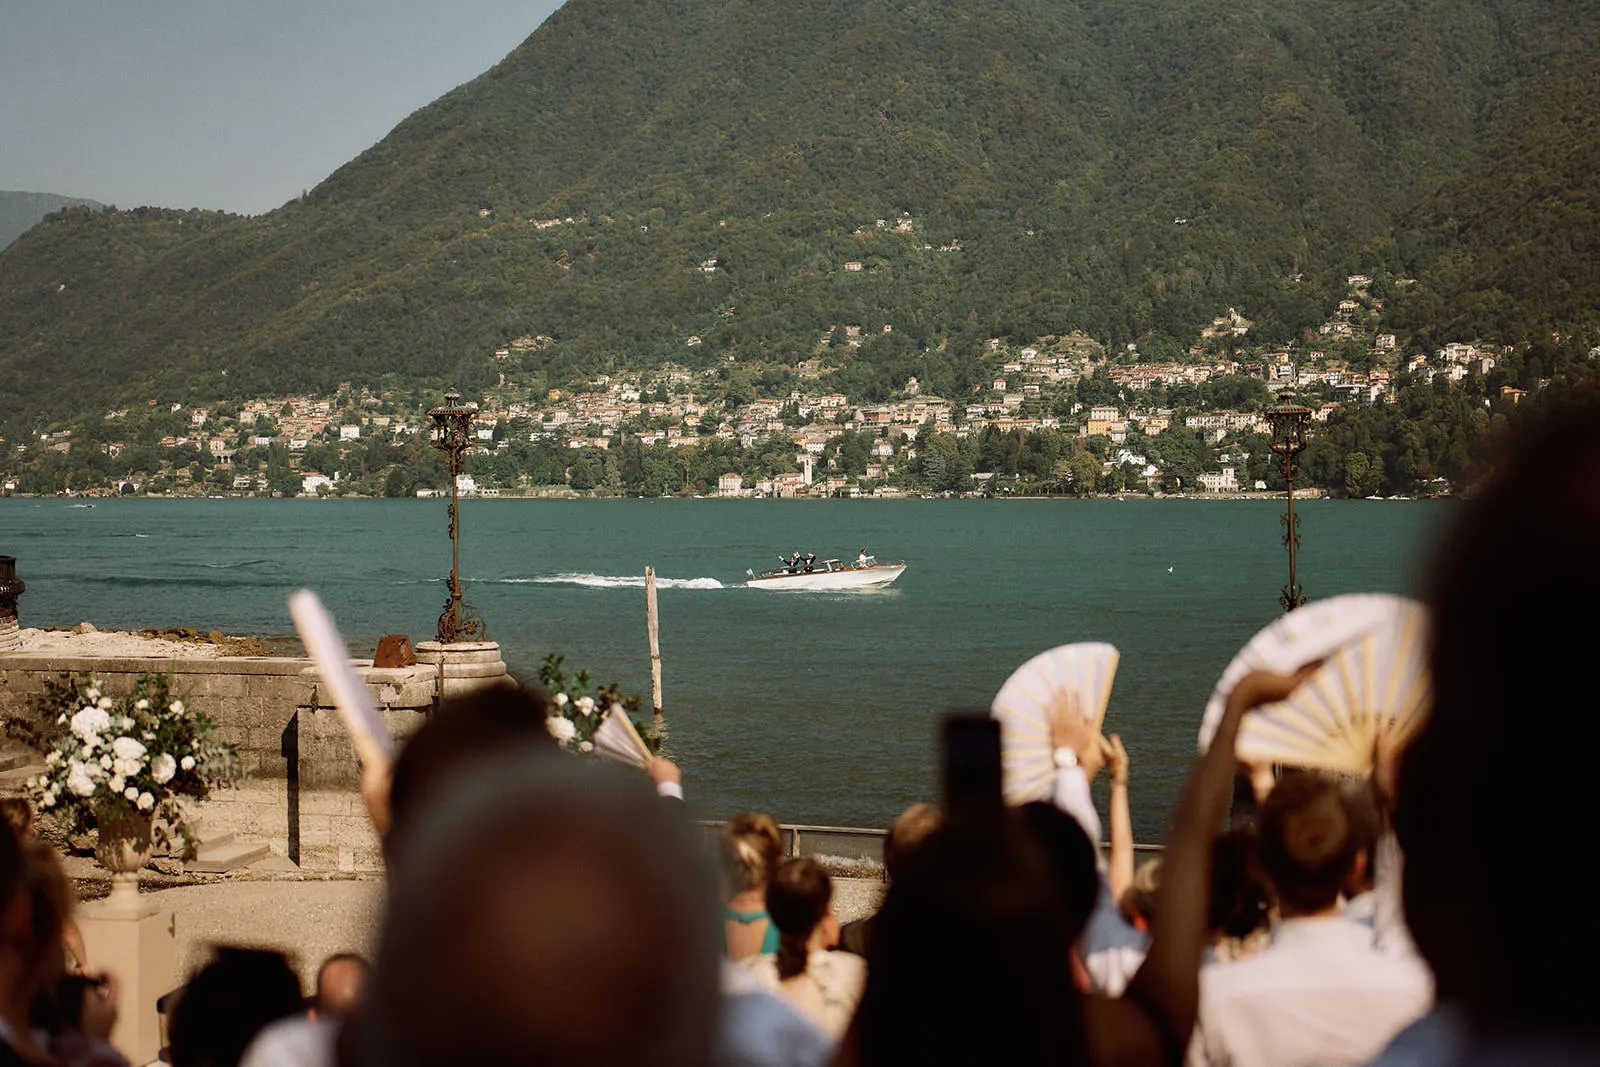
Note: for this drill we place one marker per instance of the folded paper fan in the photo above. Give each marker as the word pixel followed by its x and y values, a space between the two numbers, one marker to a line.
pixel 1082 672
pixel 1303 636
pixel 351 697
pixel 615 738
pixel 1379 684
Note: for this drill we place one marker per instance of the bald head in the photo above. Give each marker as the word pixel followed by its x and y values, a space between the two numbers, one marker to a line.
pixel 554 912
pixel 340 982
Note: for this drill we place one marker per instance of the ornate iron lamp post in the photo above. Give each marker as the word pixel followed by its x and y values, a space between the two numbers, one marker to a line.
pixel 451 434
pixel 1288 422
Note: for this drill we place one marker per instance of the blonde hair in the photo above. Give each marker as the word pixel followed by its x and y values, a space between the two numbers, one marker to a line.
pixel 752 849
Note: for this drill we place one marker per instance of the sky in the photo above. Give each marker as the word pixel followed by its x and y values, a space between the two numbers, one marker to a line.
pixel 237 105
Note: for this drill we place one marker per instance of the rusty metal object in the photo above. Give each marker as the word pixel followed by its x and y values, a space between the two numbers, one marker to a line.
pixel 452 426
pixel 1289 422
pixel 394 650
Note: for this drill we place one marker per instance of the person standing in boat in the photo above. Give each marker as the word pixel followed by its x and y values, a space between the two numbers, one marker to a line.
pixel 863 559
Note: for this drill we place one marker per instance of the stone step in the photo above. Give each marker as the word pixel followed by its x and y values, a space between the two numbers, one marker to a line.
pixel 15 778
pixel 12 758
pixel 219 859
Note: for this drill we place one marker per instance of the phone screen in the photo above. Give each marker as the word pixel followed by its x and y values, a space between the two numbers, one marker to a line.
pixel 972 766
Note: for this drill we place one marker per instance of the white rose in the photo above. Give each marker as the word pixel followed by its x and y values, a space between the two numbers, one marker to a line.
pixel 585 746
pixel 89 723
pixel 586 705
pixel 141 704
pixel 195 744
pixel 62 719
pixel 127 723
pixel 176 707
pixel 131 793
pixel 48 800
pixel 561 700
pixel 91 694
pixel 148 736
pixel 125 767
pixel 105 763
pixel 105 703
pixel 52 759
pixel 127 748
pixel 560 728
pixel 162 768
pixel 116 783
pixel 187 763
pixel 146 801
pixel 79 782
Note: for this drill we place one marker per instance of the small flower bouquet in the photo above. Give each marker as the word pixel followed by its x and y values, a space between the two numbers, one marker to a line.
pixel 111 760
pixel 600 722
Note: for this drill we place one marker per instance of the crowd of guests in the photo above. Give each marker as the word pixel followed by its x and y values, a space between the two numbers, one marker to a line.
pixel 546 910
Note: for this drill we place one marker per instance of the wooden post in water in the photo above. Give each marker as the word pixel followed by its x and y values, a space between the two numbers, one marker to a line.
pixel 652 624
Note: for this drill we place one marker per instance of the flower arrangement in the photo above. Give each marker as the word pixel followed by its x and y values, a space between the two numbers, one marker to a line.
pixel 576 713
pixel 109 759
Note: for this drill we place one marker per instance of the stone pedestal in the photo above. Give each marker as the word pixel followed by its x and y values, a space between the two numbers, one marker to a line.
pixel 464 666
pixel 140 947
pixel 11 587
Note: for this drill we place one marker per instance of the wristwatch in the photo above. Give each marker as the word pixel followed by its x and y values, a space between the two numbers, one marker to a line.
pixel 1064 758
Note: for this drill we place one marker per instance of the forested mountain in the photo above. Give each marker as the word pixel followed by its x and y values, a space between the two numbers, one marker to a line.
pixel 1129 168
pixel 20 212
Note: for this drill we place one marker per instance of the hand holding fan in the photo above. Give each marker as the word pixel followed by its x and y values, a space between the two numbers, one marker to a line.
pixel 1376 686
pixel 1079 672
pixel 1303 636
pixel 351 698
pixel 617 739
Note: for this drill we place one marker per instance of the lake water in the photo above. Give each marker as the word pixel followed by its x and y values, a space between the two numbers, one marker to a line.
pixel 821 708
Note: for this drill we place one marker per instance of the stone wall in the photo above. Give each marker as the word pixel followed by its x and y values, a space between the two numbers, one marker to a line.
pixel 299 791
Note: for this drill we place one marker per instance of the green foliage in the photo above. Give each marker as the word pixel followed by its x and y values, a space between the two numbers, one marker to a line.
pixel 1054 146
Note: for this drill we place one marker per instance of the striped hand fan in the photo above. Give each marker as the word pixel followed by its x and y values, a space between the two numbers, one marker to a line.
pixel 1378 684
pixel 617 739
pixel 1302 636
pixel 1023 708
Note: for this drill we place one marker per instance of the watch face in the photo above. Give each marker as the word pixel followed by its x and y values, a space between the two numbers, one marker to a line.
pixel 1065 757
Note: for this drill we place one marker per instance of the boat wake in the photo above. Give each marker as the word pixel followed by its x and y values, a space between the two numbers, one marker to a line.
pixel 607 581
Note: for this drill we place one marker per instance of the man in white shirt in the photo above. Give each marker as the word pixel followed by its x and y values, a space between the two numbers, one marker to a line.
pixel 1320 993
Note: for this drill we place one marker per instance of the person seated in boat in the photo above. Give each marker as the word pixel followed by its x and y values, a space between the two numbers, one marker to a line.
pixel 863 559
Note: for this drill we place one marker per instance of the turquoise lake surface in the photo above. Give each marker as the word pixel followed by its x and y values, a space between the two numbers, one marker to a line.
pixel 821 708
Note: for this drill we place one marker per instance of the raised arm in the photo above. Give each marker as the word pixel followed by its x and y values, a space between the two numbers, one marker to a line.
pixel 1152 1021
pixel 1120 875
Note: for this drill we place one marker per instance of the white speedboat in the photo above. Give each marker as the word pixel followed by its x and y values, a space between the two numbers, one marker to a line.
pixel 864 572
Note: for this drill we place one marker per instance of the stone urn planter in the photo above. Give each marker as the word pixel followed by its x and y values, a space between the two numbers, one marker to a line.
pixel 123 847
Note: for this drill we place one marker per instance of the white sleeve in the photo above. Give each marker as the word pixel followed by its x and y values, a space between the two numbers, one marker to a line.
pixel 1390 935
pixel 1073 797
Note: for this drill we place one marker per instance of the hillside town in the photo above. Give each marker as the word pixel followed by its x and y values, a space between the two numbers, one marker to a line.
pixel 1059 414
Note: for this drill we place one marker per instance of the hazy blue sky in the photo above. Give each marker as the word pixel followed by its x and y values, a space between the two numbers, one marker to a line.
pixel 232 104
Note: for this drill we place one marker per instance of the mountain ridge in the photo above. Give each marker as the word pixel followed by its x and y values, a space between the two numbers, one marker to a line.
pixel 1129 169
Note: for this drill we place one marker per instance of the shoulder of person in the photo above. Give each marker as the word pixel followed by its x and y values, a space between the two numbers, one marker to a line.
pixel 297 1041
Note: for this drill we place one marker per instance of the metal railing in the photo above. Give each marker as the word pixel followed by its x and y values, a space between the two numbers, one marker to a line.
pixel 851 848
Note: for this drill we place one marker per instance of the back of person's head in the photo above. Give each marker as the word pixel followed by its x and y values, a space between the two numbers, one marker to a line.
pixel 797 900
pixel 464 732
pixel 18 814
pixel 751 851
pixel 1138 903
pixel 1510 588
pixel 231 1000
pixel 1366 826
pixel 1306 848
pixel 551 912
pixel 971 957
pixel 340 982
pixel 1240 903
pixel 909 829
pixel 1073 860
pixel 37 942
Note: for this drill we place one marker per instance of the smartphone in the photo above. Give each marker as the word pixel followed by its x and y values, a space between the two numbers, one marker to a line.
pixel 972 787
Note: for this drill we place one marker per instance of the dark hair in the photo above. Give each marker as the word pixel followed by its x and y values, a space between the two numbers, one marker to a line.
pixel 1366 826
pixel 462 733
pixel 1306 848
pixel 231 1000
pixel 909 829
pixel 797 900
pixel 1512 581
pixel 18 812
pixel 1073 860
pixel 1239 902
pixel 970 959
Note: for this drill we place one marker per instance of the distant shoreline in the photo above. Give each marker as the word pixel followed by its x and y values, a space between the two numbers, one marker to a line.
pixel 1300 495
